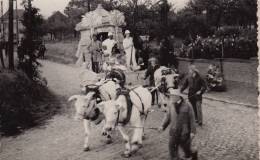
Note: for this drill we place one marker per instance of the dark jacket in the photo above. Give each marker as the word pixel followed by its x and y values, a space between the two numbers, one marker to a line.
pixel 181 119
pixel 150 73
pixel 195 84
pixel 95 49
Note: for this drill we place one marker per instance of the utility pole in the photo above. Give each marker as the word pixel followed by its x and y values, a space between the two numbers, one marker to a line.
pixel 11 36
pixel 164 17
pixel 17 23
pixel 2 21
pixel 2 38
pixel 135 12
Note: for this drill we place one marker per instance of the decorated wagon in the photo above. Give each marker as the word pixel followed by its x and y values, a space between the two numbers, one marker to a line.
pixel 100 22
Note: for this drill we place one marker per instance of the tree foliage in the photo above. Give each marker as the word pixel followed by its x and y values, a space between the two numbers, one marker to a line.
pixel 200 17
pixel 33 32
pixel 58 23
pixel 226 12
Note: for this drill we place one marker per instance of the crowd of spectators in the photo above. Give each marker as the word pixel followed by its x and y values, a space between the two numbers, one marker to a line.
pixel 229 46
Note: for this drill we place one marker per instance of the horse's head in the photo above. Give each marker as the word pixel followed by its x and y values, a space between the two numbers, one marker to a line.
pixel 169 81
pixel 85 106
pixel 113 111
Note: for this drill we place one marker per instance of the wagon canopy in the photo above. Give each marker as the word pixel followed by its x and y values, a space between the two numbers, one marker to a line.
pixel 100 18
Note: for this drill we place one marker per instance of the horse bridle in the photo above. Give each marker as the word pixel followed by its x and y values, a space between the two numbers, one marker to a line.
pixel 96 92
pixel 98 86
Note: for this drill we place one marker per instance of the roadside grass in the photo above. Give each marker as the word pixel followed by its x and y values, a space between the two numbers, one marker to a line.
pixel 24 104
pixel 62 52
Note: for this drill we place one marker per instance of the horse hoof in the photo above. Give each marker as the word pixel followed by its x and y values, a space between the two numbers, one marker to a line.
pixel 140 145
pixel 109 141
pixel 86 149
pixel 126 155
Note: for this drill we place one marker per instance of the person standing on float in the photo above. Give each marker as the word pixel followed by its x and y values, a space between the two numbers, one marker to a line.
pixel 130 51
pixel 108 44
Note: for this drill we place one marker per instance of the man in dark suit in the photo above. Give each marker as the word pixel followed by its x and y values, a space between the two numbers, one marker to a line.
pixel 180 117
pixel 197 87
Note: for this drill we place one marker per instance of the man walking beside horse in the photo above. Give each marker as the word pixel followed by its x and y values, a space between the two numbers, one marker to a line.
pixel 197 87
pixel 180 117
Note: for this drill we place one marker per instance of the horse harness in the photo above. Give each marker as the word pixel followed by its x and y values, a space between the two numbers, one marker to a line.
pixel 125 92
pixel 95 89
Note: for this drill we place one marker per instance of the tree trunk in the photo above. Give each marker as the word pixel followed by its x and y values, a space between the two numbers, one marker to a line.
pixel 11 36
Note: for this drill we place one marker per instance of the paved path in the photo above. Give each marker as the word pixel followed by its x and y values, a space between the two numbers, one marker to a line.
pixel 229 132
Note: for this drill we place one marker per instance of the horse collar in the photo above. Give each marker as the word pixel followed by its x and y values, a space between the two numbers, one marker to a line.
pixel 128 115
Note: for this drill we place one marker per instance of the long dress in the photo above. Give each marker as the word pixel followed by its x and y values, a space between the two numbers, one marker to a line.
pixel 130 53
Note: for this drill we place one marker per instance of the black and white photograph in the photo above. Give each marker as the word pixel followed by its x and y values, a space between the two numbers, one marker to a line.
pixel 129 80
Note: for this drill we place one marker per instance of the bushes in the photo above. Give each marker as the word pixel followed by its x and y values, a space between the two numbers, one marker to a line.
pixel 21 102
pixel 234 42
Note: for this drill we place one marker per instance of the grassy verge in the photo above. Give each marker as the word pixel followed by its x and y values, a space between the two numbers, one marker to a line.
pixel 62 52
pixel 24 104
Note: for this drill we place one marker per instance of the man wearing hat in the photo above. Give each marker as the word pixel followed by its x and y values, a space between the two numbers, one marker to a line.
pixel 129 49
pixel 108 44
pixel 197 87
pixel 180 117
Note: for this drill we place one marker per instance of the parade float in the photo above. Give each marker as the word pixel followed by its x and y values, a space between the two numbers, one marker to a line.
pixel 100 22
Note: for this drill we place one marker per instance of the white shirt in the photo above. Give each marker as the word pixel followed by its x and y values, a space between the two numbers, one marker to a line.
pixel 109 43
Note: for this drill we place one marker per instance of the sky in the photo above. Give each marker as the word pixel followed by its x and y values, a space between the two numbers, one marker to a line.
pixel 47 7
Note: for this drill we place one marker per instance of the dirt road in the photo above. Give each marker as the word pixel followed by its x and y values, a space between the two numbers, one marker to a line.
pixel 229 132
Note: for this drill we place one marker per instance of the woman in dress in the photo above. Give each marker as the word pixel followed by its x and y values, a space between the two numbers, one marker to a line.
pixel 130 51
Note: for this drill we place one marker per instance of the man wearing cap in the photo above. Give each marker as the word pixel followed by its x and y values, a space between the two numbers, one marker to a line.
pixel 180 117
pixel 108 44
pixel 197 87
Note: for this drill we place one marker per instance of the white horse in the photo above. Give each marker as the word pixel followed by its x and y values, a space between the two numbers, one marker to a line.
pixel 86 109
pixel 165 82
pixel 119 114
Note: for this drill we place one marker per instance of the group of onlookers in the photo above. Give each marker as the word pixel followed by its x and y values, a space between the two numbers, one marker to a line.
pixel 229 46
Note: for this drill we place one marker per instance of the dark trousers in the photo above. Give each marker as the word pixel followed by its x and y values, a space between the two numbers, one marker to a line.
pixel 183 142
pixel 196 102
pixel 95 67
pixel 154 97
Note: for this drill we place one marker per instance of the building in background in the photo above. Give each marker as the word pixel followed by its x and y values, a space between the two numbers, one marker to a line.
pixel 17 17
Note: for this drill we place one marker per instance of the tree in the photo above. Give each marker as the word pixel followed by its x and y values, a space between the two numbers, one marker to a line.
pixel 76 8
pixel 226 12
pixel 58 23
pixel 32 22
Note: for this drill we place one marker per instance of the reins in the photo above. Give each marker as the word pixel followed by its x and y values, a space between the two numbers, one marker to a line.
pixel 133 127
